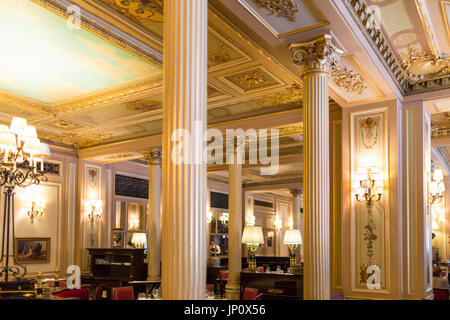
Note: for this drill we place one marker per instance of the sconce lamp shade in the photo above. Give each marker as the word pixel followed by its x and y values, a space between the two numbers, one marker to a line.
pixel 18 126
pixel 252 235
pixel 292 237
pixel 139 239
pixel 438 175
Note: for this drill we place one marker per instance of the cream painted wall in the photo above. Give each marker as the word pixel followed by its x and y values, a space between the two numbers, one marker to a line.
pixel 58 221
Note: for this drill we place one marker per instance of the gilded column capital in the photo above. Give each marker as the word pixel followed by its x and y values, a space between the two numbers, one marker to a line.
pixel 318 55
pixel 296 192
pixel 153 157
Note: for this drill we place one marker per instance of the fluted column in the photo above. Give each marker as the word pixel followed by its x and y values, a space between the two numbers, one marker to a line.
pixel 296 193
pixel 232 289
pixel 153 158
pixel 184 173
pixel 316 58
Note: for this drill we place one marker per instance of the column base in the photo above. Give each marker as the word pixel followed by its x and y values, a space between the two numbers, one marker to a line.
pixel 233 290
pixel 154 278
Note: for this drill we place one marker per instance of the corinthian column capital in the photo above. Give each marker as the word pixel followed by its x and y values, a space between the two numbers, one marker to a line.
pixel 318 55
pixel 153 157
pixel 296 192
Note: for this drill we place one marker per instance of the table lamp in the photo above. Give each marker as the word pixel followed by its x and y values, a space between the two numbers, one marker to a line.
pixel 139 240
pixel 253 238
pixel 292 238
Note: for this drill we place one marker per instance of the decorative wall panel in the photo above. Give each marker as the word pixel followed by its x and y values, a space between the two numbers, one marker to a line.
pixel 370 232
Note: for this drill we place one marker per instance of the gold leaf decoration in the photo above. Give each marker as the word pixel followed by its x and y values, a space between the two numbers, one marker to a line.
pixel 283 8
pixel 75 140
pixel 348 79
pixel 423 64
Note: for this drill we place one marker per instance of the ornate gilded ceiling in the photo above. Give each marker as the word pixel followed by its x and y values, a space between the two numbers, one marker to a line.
pixel 409 37
pixel 243 79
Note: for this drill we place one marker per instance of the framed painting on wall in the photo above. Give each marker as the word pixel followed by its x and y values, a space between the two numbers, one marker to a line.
pixel 32 250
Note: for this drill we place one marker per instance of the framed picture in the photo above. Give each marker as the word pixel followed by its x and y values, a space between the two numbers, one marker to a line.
pixel 32 250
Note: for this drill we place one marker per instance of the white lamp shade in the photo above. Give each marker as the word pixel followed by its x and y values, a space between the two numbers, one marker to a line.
pixel 139 238
pixel 18 126
pixel 32 146
pixel 44 150
pixel 292 236
pixel 438 175
pixel 7 141
pixel 4 128
pixel 252 235
pixel 30 132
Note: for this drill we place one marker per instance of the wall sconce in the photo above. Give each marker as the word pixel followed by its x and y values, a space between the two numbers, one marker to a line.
pixel 368 187
pixel 278 223
pixel 96 210
pixel 37 209
pixel 437 187
pixel 438 216
pixel 224 217
pixel 250 221
pixel 209 216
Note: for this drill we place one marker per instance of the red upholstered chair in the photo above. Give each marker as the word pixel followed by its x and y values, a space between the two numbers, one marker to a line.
pixel 82 294
pixel 209 288
pixel 99 292
pixel 250 294
pixel 440 294
pixel 123 293
pixel 223 274
pixel 261 269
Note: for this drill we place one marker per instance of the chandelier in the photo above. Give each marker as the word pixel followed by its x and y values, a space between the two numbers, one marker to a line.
pixel 20 151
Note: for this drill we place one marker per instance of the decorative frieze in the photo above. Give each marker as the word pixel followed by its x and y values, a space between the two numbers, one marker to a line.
pixel 153 157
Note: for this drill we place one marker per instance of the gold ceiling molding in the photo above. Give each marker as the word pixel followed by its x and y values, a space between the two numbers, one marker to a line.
pixel 293 95
pixel 250 80
pixel 283 8
pixel 119 156
pixel 75 140
pixel 143 106
pixel 28 104
pixel 424 65
pixel 152 10
pixel 348 79
pixel 110 95
pixel 440 125
pixel 220 56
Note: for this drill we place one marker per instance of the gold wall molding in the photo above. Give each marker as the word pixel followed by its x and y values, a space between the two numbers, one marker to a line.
pixel 283 8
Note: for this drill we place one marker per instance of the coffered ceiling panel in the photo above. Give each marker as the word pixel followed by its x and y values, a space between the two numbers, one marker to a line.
pixel 251 80
pixel 283 18
pixel 46 60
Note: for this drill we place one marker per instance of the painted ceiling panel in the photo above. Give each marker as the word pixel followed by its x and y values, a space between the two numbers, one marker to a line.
pixel 42 58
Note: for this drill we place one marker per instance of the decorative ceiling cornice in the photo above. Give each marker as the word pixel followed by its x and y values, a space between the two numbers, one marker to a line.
pixel 153 10
pixel 405 72
pixel 75 140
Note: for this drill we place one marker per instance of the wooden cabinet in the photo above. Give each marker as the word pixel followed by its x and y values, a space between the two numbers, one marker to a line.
pixel 117 264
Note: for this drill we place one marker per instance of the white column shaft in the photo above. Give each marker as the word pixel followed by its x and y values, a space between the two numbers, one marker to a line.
pixel 154 224
pixel 316 187
pixel 232 290
pixel 184 202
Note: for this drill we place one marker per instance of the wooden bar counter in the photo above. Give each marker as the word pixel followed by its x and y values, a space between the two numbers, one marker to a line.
pixel 274 286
